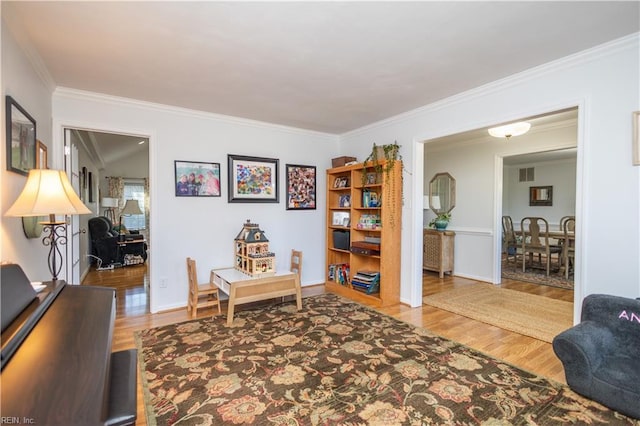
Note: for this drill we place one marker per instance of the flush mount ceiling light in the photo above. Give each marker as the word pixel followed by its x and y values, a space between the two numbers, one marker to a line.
pixel 508 130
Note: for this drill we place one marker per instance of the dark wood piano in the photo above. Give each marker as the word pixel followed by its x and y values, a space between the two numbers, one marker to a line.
pixel 57 364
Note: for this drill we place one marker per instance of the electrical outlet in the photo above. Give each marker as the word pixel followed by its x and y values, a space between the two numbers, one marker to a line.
pixel 163 282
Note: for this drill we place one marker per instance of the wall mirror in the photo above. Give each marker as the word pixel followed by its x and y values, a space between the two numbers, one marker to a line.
pixel 442 193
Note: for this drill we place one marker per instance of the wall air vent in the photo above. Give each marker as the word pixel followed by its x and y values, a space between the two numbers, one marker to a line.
pixel 526 174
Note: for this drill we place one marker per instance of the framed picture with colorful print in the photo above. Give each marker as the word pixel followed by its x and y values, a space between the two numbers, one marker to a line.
pixel 301 187
pixel 253 179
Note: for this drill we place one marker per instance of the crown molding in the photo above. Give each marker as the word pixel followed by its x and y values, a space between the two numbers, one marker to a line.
pixel 589 55
pixel 83 95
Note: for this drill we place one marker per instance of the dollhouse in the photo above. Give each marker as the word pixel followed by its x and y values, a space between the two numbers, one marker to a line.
pixel 252 251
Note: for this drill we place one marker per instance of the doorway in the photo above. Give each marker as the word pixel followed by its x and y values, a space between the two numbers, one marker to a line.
pixel 123 160
pixel 475 159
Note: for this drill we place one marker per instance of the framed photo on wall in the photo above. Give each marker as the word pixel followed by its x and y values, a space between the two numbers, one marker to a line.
pixel 41 155
pixel 253 179
pixel 197 179
pixel 301 187
pixel 21 138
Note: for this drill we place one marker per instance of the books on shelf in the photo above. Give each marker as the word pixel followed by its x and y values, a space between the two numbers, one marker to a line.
pixel 339 272
pixel 366 281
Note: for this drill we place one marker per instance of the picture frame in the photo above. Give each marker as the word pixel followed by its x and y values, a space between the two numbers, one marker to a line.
pixel 253 179
pixel 636 138
pixel 541 195
pixel 372 178
pixel 197 179
pixel 21 138
pixel 301 187
pixel 341 219
pixel 41 155
pixel 345 200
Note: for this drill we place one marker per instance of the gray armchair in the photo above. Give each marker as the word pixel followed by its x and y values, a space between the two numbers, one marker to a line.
pixel 600 355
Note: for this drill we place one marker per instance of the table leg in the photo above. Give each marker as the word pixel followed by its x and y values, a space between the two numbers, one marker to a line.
pixel 298 292
pixel 232 302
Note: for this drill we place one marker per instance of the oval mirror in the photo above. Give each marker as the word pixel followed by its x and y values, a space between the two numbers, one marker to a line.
pixel 442 193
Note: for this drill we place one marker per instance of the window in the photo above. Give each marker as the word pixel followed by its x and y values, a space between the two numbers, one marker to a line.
pixel 134 191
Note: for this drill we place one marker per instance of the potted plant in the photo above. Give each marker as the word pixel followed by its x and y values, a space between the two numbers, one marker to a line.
pixel 381 154
pixel 441 221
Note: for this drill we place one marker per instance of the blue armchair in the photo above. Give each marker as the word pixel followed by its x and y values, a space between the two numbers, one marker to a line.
pixel 600 355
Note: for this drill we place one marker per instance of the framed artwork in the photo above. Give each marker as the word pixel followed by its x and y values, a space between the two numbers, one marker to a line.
pixel 541 195
pixel 21 138
pixel 340 219
pixel 41 155
pixel 197 179
pixel 301 187
pixel 636 138
pixel 253 179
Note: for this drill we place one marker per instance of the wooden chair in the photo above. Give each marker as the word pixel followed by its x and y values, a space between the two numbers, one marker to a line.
pixel 296 263
pixel 535 239
pixel 200 295
pixel 510 244
pixel 568 246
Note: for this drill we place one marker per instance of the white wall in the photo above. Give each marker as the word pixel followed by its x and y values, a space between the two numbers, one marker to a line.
pixel 560 174
pixel 604 83
pixel 21 81
pixel 204 228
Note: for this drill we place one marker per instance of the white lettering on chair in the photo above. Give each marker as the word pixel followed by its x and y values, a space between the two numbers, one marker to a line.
pixel 633 318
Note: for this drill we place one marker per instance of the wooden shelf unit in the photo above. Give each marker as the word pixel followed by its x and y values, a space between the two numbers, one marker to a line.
pixel 389 188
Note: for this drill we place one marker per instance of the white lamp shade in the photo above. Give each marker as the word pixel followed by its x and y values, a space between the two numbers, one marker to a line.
pixel 425 202
pixel 131 207
pixel 108 202
pixel 513 129
pixel 47 192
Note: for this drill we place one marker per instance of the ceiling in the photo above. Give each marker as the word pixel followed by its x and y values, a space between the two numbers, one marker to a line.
pixel 325 66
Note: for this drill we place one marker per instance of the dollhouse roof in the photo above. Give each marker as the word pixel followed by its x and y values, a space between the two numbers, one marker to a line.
pixel 251 233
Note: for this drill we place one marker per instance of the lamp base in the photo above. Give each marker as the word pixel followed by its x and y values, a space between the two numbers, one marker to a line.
pixel 55 235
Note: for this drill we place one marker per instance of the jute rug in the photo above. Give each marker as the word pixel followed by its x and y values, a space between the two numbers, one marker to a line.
pixel 336 362
pixel 536 316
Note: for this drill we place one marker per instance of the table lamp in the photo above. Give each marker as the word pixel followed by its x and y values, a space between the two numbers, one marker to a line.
pixel 131 207
pixel 110 205
pixel 49 192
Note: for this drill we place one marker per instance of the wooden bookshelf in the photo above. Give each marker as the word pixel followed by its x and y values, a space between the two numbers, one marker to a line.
pixel 345 189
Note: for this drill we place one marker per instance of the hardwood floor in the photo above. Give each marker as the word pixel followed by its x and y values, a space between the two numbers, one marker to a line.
pixel 533 355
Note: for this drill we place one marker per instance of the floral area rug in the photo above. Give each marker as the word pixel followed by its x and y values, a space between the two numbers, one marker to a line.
pixel 556 277
pixel 336 362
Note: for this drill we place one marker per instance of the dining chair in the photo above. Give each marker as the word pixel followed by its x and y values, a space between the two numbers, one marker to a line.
pixel 568 246
pixel 296 263
pixel 510 243
pixel 200 295
pixel 535 240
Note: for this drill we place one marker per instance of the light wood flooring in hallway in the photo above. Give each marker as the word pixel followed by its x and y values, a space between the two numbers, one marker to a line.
pixel 131 284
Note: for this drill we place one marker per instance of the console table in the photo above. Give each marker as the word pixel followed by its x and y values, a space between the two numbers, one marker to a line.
pixel 437 251
pixel 243 288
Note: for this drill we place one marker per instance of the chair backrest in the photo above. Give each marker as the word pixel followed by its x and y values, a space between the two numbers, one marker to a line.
pixel 296 262
pixel 100 227
pixel 538 229
pixel 192 274
pixel 569 226
pixel 619 314
pixel 507 230
pixel 566 218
